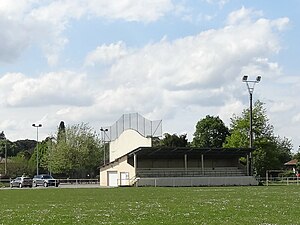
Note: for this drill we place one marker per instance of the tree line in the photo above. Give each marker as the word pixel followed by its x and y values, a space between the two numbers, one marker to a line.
pixel 76 151
pixel 271 151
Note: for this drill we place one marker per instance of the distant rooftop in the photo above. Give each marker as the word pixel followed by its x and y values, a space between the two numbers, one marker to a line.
pixel 293 162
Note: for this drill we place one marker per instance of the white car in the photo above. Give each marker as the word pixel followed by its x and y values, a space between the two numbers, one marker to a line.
pixel 21 182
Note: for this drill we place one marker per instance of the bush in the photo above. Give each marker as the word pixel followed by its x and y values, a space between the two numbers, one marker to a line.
pixel 287 173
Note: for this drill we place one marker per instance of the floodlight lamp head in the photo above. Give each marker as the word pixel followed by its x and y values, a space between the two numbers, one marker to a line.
pixel 245 78
pixel 258 78
pixel 37 125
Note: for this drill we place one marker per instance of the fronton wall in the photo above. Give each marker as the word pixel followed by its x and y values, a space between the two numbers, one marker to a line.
pixel 127 141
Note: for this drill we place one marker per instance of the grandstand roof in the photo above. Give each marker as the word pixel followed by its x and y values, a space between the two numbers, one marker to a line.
pixel 190 151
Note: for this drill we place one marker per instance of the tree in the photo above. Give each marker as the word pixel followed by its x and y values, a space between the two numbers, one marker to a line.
pixel 3 144
pixel 271 151
pixel 174 140
pixel 210 132
pixel 2 136
pixel 43 151
pixel 61 135
pixel 19 165
pixel 76 156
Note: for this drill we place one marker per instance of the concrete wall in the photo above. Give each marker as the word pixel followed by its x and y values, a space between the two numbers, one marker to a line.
pixel 197 181
pixel 127 141
pixel 119 166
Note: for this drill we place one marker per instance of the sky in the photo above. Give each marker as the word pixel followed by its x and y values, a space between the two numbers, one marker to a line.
pixel 90 61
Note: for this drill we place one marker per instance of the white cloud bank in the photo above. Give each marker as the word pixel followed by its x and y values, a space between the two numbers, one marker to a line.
pixel 199 70
pixel 27 22
pixel 173 80
pixel 65 88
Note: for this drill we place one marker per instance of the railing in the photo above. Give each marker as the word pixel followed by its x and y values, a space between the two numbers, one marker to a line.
pixel 78 181
pixel 4 182
pixel 127 182
pixel 179 172
pixel 275 181
pixel 63 182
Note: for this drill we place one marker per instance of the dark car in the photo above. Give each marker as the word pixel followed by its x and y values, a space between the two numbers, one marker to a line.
pixel 44 180
pixel 21 182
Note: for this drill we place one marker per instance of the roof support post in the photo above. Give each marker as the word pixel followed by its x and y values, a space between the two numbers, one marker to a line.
pixel 248 165
pixel 202 164
pixel 135 162
pixel 185 162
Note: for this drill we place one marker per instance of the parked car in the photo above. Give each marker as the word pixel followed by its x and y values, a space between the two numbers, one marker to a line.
pixel 44 180
pixel 21 182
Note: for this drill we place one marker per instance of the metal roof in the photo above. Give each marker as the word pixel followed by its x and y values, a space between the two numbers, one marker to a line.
pixel 190 151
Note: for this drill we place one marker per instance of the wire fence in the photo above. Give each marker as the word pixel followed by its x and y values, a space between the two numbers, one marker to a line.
pixel 136 122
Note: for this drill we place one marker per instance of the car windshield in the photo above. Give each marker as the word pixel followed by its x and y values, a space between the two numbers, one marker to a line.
pixel 27 178
pixel 48 177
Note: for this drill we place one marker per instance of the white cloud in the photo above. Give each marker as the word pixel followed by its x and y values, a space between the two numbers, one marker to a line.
pixel 134 10
pixel 195 75
pixel 279 107
pixel 24 23
pixel 106 54
pixel 65 88
pixel 243 15
pixel 196 70
pixel 221 3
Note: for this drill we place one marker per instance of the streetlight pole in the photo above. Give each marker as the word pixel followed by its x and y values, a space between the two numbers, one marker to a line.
pixel 51 150
pixel 103 142
pixel 5 165
pixel 250 86
pixel 37 146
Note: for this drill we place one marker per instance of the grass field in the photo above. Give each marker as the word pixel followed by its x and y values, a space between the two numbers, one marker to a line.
pixel 210 205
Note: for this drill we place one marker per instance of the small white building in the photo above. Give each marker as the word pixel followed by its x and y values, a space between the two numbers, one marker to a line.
pixel 118 171
pixel 128 133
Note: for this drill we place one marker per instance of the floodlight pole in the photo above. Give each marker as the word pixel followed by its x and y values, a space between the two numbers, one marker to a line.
pixel 37 146
pixel 250 86
pixel 103 142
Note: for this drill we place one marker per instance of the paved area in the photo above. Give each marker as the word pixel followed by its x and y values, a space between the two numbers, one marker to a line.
pixel 62 186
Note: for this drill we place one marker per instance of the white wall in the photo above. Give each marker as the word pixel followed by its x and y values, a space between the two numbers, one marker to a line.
pixel 125 143
pixel 119 166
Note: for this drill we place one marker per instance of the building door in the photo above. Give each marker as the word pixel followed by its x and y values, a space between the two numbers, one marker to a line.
pixel 124 178
pixel 112 178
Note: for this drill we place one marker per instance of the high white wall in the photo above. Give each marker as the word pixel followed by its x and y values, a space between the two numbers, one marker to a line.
pixel 127 141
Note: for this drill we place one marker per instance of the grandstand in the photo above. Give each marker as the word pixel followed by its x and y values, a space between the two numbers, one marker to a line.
pixel 134 161
pixel 161 166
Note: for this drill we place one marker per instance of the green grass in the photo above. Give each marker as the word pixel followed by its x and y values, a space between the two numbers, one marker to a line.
pixel 210 205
